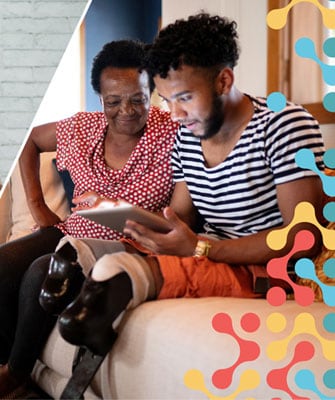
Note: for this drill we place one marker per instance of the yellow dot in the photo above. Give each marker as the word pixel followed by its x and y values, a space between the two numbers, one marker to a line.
pixel 276 322
pixel 194 379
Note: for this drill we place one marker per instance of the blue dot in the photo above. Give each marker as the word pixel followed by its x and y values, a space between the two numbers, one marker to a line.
pixel 329 158
pixel 329 47
pixel 329 379
pixel 329 102
pixel 276 101
pixel 329 322
pixel 329 211
pixel 305 379
pixel 305 47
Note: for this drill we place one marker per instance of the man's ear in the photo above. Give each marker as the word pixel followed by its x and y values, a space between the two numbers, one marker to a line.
pixel 224 81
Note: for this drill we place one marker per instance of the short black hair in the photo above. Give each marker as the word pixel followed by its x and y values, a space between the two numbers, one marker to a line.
pixel 118 54
pixel 201 40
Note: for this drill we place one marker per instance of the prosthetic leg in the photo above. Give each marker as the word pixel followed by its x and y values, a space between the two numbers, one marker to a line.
pixel 63 281
pixel 73 260
pixel 90 321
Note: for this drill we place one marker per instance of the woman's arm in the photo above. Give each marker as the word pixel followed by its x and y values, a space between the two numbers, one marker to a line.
pixel 42 139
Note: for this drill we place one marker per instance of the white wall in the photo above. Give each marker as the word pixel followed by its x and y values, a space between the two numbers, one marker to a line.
pixel 328 133
pixel 250 16
pixel 63 97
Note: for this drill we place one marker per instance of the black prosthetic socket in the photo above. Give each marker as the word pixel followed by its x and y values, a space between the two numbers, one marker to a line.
pixel 63 281
pixel 87 322
pixel 68 252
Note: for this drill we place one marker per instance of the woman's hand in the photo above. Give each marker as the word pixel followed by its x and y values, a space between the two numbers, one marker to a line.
pixel 180 241
pixel 90 200
pixel 43 217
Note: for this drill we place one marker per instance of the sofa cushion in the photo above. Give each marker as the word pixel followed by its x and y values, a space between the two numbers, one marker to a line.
pixel 54 194
pixel 5 214
pixel 160 342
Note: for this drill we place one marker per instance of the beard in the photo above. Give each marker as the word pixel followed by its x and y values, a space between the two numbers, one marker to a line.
pixel 215 120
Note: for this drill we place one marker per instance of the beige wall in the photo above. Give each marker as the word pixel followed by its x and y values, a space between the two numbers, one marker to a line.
pixel 250 16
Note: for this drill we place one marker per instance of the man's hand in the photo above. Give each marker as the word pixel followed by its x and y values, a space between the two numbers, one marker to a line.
pixel 180 241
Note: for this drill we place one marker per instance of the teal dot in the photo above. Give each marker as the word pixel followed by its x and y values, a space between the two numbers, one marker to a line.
pixel 329 47
pixel 329 322
pixel 329 379
pixel 276 101
pixel 329 268
pixel 329 102
pixel 329 211
pixel 329 158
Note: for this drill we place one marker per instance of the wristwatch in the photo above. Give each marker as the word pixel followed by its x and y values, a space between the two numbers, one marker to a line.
pixel 202 248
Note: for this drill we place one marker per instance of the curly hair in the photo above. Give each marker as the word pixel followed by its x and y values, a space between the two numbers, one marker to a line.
pixel 118 54
pixel 200 41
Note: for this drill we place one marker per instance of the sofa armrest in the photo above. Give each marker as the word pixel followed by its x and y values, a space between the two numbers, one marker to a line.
pixel 5 214
pixel 54 194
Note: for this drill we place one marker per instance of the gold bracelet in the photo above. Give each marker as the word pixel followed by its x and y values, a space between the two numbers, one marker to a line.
pixel 202 248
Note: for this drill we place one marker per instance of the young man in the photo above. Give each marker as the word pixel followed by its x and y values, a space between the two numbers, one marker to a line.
pixel 234 167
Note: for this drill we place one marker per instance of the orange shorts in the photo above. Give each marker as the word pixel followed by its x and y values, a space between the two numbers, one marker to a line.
pixel 201 277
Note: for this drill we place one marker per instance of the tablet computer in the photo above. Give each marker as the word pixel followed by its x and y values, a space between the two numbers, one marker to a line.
pixel 115 216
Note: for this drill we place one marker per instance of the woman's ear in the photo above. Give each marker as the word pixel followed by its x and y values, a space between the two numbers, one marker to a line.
pixel 224 81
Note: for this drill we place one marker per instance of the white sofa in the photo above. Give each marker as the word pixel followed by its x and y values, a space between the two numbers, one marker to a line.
pixel 163 342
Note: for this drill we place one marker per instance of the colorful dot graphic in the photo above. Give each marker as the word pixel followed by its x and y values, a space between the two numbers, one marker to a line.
pixel 248 350
pixel 304 212
pixel 301 348
pixel 305 159
pixel 277 18
pixel 303 323
pixel 304 47
pixel 277 378
pixel 277 268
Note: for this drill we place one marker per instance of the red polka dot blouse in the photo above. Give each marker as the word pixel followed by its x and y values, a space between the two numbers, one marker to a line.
pixel 145 180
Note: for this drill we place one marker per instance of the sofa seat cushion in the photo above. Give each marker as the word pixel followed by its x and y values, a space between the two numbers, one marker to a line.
pixel 161 341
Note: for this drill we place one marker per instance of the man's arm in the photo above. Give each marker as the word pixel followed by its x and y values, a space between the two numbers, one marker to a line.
pixel 254 249
pixel 251 249
pixel 42 139
pixel 182 204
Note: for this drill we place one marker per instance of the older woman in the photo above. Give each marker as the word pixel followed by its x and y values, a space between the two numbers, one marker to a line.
pixel 122 152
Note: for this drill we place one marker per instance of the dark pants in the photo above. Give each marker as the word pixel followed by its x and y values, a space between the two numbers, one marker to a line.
pixel 24 325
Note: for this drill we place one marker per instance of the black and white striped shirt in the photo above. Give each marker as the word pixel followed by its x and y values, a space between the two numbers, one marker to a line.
pixel 238 197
